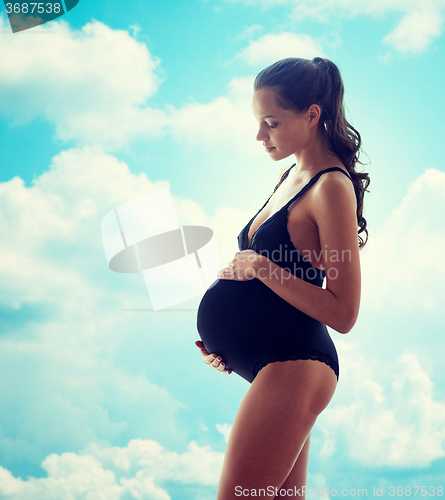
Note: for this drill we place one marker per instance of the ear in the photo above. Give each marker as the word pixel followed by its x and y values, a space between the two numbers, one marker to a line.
pixel 313 115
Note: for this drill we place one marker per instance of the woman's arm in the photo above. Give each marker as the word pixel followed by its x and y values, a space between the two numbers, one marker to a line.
pixel 334 213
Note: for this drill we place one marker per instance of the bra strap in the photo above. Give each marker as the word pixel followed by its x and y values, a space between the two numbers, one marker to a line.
pixel 313 181
pixel 284 176
pixel 276 187
pixel 340 170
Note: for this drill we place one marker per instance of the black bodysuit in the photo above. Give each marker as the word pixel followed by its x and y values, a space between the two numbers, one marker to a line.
pixel 248 324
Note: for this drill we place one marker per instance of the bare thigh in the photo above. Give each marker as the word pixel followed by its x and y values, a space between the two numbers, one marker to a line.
pixel 272 425
pixel 297 477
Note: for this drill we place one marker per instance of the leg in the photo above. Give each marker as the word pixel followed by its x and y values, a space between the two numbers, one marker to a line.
pixel 273 424
pixel 298 475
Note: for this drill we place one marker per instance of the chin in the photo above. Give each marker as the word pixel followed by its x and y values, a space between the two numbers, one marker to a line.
pixel 280 157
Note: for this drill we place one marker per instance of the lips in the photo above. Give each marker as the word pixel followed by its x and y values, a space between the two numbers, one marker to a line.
pixel 268 150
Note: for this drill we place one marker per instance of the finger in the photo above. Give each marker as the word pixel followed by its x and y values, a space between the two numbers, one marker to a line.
pixel 224 369
pixel 209 359
pixel 227 273
pixel 201 347
pixel 215 363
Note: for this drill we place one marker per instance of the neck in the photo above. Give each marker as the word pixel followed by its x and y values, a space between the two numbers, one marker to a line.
pixel 315 156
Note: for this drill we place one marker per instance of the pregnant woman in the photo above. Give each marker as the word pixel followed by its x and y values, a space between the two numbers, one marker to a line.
pixel 265 317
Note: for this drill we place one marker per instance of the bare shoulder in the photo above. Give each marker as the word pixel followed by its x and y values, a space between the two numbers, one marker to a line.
pixel 336 186
pixel 333 198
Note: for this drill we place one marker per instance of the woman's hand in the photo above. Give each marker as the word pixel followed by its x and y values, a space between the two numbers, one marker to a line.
pixel 212 359
pixel 243 267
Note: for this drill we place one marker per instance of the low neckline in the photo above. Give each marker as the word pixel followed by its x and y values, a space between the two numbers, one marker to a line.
pixel 261 209
pixel 285 206
pixel 256 230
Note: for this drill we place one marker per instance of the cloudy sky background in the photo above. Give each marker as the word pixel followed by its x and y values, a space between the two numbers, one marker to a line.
pixel 114 101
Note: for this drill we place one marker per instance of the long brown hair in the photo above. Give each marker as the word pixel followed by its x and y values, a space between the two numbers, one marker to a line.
pixel 297 84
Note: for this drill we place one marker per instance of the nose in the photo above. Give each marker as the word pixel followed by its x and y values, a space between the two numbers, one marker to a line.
pixel 262 135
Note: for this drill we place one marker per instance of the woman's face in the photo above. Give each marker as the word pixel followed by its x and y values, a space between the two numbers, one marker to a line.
pixel 281 131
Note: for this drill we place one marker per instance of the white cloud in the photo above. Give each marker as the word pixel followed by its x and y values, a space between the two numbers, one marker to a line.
pixel 416 31
pixel 226 122
pixel 224 429
pixel 196 465
pixel 421 24
pixel 403 262
pixel 137 471
pixel 222 135
pixel 59 214
pixel 401 426
pixel 94 90
pixel 60 353
pixel 249 31
pixel 93 85
pixel 271 48
pixel 90 83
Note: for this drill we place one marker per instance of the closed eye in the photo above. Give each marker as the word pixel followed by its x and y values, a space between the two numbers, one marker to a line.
pixel 272 126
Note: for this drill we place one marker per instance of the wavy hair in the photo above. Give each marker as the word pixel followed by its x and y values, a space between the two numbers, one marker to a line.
pixel 297 84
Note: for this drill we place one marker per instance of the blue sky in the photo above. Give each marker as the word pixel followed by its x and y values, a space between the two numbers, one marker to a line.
pixel 114 101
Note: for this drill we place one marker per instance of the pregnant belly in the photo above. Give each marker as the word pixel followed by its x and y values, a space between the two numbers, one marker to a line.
pixel 242 321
